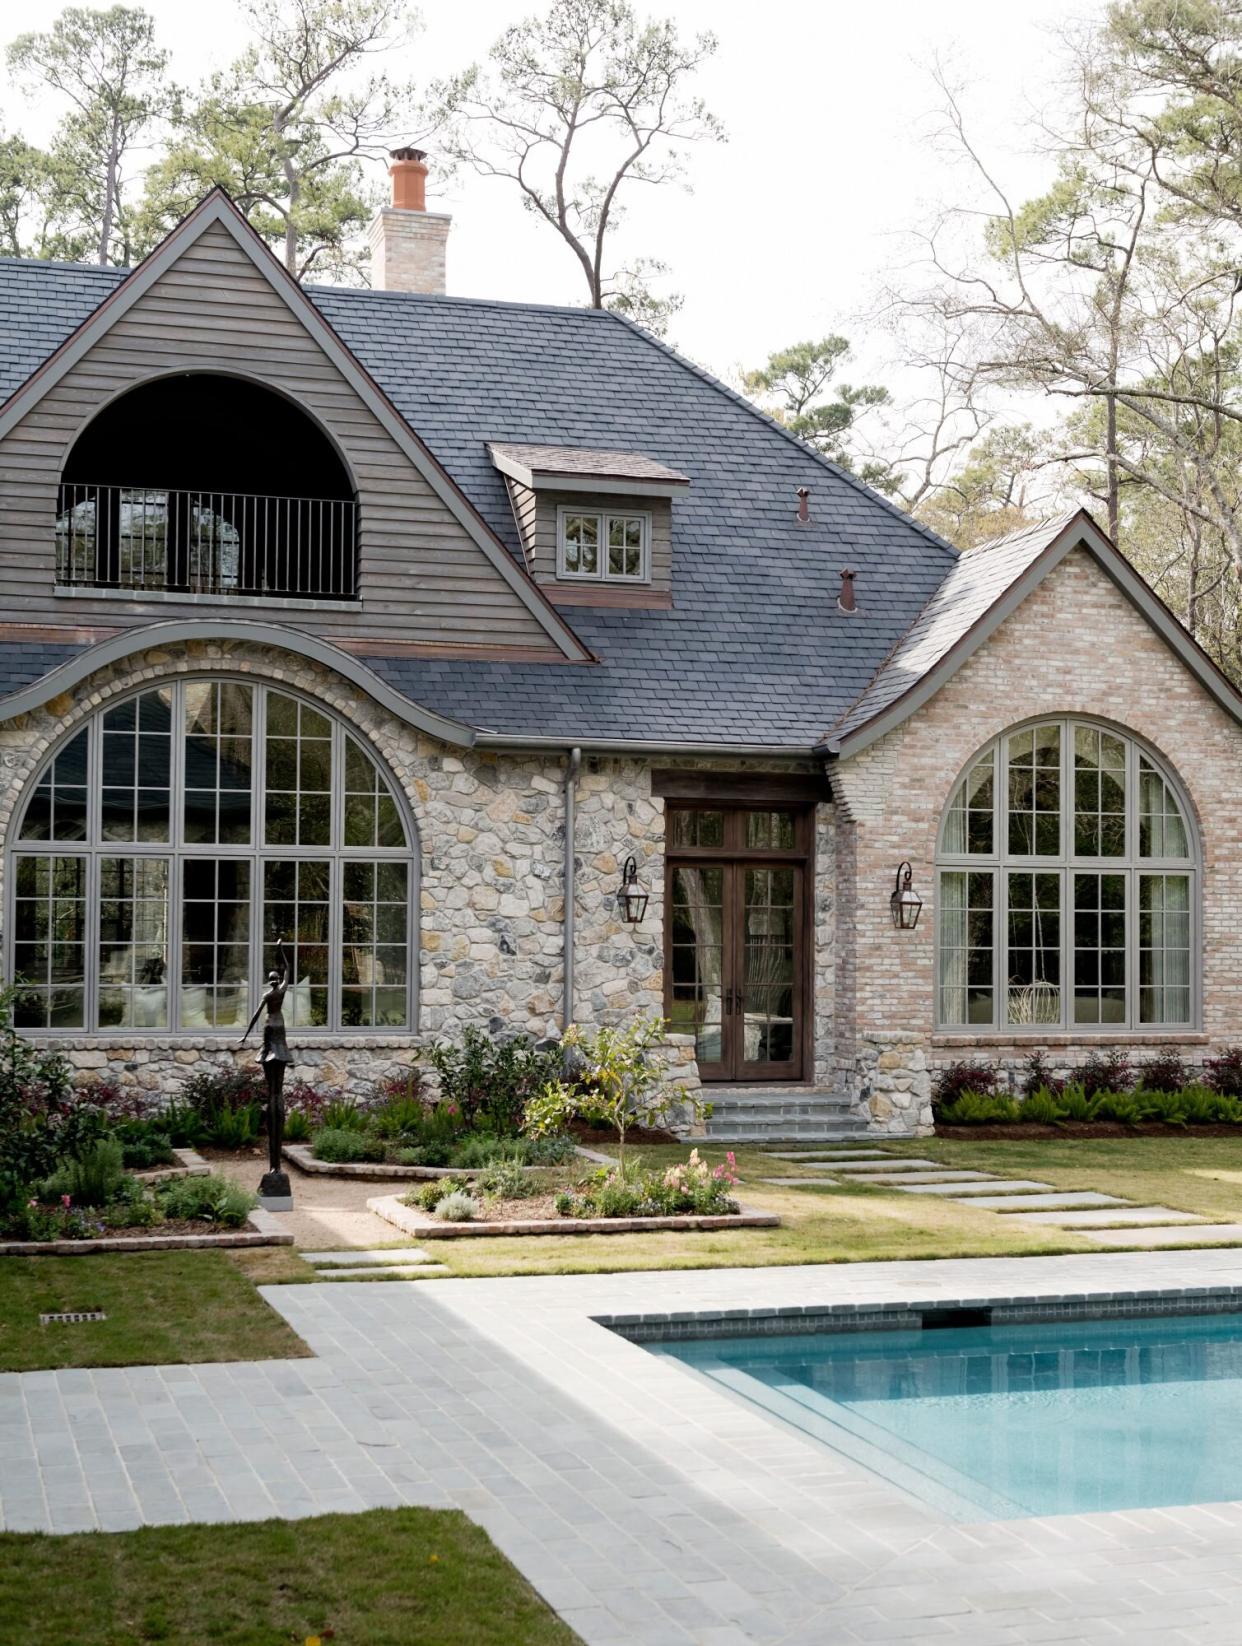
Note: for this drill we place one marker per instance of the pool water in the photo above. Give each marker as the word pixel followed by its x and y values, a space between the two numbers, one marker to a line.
pixel 1067 1418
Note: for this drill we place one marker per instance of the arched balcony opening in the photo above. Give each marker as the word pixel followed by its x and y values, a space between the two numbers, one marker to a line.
pixel 198 484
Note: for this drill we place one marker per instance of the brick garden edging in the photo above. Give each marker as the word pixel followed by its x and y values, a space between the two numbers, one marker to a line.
pixel 300 1155
pixel 264 1230
pixel 425 1227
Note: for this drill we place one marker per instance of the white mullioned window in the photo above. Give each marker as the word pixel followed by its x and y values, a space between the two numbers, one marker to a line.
pixel 1067 887
pixel 172 839
pixel 613 545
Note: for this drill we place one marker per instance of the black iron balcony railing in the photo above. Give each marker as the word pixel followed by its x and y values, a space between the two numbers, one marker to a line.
pixel 206 542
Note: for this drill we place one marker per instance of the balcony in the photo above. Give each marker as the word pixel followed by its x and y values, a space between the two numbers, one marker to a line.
pixel 157 540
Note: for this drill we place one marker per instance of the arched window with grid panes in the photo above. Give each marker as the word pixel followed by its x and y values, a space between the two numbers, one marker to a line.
pixel 174 837
pixel 1067 887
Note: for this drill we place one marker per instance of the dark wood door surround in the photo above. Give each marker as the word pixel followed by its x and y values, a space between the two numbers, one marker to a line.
pixel 739 924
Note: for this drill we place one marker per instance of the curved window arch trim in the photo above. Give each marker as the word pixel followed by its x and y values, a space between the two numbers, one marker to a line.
pixel 174 833
pixel 129 642
pixel 251 378
pixel 1068 872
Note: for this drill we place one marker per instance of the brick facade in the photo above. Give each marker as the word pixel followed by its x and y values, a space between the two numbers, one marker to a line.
pixel 409 250
pixel 1075 646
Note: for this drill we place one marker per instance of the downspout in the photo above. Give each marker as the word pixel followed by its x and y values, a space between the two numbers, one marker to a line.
pixel 571 777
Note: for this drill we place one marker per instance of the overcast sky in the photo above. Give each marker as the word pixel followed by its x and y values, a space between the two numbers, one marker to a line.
pixel 792 223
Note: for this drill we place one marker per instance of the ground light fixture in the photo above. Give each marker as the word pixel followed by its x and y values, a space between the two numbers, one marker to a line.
pixel 905 903
pixel 632 896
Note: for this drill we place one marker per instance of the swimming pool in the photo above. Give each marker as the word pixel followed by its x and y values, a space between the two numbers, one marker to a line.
pixel 1062 1418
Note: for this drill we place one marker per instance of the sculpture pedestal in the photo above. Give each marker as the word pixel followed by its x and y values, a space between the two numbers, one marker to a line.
pixel 275 1194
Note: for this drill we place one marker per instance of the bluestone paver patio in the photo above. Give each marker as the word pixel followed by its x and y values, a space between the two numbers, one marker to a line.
pixel 644 1505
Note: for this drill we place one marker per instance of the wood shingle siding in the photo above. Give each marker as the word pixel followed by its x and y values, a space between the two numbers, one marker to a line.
pixel 422 577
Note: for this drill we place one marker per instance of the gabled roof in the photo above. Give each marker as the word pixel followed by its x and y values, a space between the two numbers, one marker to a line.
pixel 217 209
pixel 578 468
pixel 753 652
pixel 985 586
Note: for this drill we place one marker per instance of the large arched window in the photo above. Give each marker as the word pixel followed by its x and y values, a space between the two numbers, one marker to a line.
pixel 171 840
pixel 1066 887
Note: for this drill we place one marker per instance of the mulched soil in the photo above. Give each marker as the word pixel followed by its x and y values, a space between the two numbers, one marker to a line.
pixel 594 1135
pixel 1019 1132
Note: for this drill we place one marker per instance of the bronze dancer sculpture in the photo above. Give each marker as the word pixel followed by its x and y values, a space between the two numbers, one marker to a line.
pixel 274 1191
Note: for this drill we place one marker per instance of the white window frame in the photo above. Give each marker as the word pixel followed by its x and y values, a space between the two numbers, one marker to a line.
pixel 176 850
pixel 604 516
pixel 1000 863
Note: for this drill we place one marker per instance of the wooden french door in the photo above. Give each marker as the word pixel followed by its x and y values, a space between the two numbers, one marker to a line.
pixel 736 937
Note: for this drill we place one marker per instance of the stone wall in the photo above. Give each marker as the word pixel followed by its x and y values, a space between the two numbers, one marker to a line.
pixel 890 1081
pixel 1075 646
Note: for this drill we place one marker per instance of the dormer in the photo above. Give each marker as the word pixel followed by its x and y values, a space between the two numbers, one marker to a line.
pixel 596 526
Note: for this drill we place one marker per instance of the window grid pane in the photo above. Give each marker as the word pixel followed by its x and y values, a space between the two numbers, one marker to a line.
pixel 1162 829
pixel 372 817
pixel 133 943
pixel 1034 950
pixel 967 937
pixel 1100 948
pixel 57 810
pixel 375 944
pixel 1099 793
pixel 969 826
pixel 49 942
pixel 137 768
pixel 298 796
pixel 1164 948
pixel 296 906
pixel 218 762
pixel 580 535
pixel 215 944
pixel 1035 792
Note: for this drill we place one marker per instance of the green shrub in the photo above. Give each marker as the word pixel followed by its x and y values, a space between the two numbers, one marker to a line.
pixel 956 1079
pixel 138 1212
pixel 564 1204
pixel 429 1195
pixel 425 1154
pixel 92 1180
pixel 342 1114
pixel 211 1198
pixel 1105 1072
pixel 1124 1107
pixel 458 1207
pixel 1038 1077
pixel 234 1128
pixel 1076 1105
pixel 297 1127
pixel 490 1081
pixel 508 1181
pixel 145 1144
pixel 182 1124
pixel 33 1221
pixel 346 1145
pixel 399 1115
pixel 979 1109
pixel 1224 1073
pixel 41 1122
pixel 1041 1108
pixel 208 1091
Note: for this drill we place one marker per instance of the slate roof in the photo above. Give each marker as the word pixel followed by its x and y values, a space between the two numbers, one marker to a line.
pixel 754 651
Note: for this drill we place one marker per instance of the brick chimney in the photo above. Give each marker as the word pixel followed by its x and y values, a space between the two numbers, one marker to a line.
pixel 408 241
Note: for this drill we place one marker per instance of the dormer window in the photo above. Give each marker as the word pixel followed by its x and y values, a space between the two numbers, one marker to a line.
pixel 603 545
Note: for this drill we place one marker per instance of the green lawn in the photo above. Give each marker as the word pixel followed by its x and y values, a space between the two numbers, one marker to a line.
pixel 163 1308
pixel 390 1577
pixel 853 1223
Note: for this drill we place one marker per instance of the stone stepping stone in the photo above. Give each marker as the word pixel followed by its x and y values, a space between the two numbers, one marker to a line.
pixel 984 1186
pixel 399 1257
pixel 1047 1202
pixel 1137 1215
pixel 817 1157
pixel 894 1163
pixel 901 1179
pixel 382 1271
pixel 1202 1234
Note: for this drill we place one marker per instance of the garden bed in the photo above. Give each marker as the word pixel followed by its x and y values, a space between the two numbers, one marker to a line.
pixel 1019 1131
pixel 302 1156
pixel 261 1229
pixel 425 1226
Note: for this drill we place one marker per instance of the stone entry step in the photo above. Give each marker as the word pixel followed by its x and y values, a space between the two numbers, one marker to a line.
pixel 900 1180
pixel 872 1168
pixel 821 1157
pixel 753 1114
pixel 1137 1215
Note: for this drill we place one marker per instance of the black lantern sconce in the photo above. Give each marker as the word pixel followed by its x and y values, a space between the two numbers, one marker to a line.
pixel 632 897
pixel 905 904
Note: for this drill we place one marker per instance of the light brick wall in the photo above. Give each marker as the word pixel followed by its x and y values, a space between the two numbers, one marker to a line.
pixel 1075 646
pixel 409 250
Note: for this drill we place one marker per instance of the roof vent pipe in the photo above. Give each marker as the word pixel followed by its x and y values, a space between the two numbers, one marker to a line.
pixel 845 600
pixel 804 505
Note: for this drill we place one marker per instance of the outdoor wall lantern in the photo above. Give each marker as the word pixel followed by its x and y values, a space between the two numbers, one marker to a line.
pixel 905 903
pixel 633 897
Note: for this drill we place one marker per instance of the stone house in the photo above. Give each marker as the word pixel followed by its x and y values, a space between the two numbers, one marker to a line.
pixel 443 638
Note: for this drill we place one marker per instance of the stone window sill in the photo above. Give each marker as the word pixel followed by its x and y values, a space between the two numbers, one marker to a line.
pixel 1132 1037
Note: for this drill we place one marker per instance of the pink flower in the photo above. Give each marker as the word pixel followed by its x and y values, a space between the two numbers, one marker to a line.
pixel 64 1200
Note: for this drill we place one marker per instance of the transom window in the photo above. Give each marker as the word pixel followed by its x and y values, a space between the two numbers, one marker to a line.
pixel 172 840
pixel 1066 885
pixel 598 543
